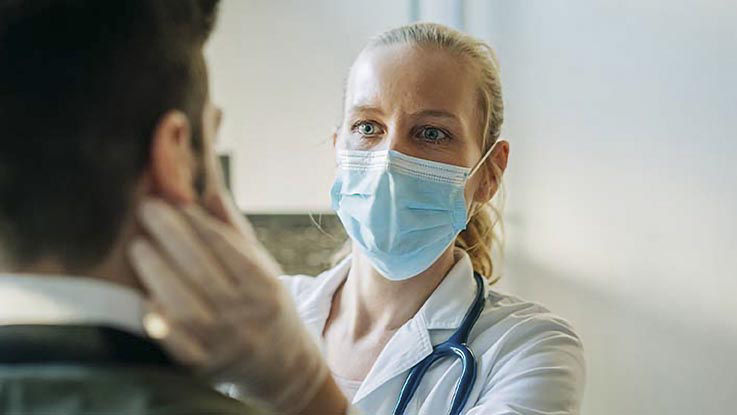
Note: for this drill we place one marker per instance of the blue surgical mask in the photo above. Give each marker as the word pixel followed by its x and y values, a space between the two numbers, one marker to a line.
pixel 402 212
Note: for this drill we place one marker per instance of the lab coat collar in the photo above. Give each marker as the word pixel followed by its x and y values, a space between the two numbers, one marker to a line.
pixel 447 305
pixel 444 309
pixel 314 308
pixel 407 347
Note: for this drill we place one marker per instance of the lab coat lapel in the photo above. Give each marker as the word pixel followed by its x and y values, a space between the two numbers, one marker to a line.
pixel 409 345
pixel 447 306
pixel 314 308
pixel 444 310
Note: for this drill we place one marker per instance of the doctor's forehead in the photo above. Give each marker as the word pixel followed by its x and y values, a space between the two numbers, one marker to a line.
pixel 410 79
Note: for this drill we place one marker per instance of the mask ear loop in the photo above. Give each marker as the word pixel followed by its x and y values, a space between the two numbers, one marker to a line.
pixel 481 162
pixel 477 167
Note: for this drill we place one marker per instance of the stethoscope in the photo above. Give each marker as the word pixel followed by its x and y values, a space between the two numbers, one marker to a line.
pixel 455 345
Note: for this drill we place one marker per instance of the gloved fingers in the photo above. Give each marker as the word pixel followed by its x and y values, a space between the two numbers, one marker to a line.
pixel 207 347
pixel 243 333
pixel 176 339
pixel 171 231
pixel 165 286
pixel 262 315
pixel 216 204
pixel 220 205
pixel 247 262
pixel 215 187
pixel 216 198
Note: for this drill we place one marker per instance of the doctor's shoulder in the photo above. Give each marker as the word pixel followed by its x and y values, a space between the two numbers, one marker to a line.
pixel 524 346
pixel 302 286
pixel 517 317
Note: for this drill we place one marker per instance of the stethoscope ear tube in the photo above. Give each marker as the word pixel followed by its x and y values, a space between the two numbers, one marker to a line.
pixel 456 345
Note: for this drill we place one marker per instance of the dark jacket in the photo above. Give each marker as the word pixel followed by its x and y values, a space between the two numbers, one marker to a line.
pixel 89 370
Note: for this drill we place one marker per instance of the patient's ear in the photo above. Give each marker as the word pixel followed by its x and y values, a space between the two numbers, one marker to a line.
pixel 172 163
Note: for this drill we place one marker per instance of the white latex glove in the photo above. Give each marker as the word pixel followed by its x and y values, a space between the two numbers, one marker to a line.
pixel 220 309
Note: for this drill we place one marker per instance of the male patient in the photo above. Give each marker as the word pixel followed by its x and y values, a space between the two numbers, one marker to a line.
pixel 103 103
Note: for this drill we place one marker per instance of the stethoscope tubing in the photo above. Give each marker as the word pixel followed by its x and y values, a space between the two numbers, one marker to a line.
pixel 456 345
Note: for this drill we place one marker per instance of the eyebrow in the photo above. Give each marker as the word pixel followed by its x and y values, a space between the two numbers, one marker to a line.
pixel 424 113
pixel 364 108
pixel 436 114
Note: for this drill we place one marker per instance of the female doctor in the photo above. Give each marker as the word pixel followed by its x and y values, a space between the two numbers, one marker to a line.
pixel 419 157
pixel 407 322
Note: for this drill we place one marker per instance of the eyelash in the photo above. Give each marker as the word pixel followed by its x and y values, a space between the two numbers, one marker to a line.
pixel 354 127
pixel 415 133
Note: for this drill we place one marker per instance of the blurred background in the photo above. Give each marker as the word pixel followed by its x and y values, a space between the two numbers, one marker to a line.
pixel 622 185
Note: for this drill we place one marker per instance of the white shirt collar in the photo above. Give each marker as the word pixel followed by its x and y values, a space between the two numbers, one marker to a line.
pixel 45 299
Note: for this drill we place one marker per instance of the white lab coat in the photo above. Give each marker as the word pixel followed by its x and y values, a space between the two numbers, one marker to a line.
pixel 530 362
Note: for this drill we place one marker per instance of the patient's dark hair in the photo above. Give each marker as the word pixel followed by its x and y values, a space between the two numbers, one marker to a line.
pixel 82 86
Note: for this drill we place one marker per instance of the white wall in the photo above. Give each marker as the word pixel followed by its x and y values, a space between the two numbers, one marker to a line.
pixel 622 189
pixel 447 12
pixel 277 69
pixel 623 175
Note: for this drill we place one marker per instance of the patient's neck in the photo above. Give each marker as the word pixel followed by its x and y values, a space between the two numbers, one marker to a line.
pixel 114 268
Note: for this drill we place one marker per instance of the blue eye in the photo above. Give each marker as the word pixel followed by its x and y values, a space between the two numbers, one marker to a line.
pixel 433 134
pixel 367 128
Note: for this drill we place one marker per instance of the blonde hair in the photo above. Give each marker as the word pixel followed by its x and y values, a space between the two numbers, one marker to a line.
pixel 479 237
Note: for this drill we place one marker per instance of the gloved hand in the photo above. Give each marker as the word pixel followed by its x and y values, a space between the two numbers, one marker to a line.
pixel 220 309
